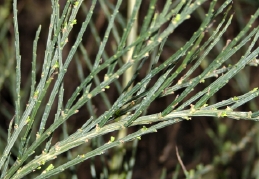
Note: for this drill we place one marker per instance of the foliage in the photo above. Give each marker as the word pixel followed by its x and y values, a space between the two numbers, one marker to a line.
pixel 41 157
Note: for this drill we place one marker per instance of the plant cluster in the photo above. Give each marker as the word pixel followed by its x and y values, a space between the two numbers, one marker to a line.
pixel 31 149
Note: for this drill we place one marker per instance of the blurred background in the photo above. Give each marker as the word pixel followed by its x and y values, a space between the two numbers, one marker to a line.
pixel 221 148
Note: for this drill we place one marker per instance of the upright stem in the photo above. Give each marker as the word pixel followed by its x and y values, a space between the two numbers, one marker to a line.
pixel 117 159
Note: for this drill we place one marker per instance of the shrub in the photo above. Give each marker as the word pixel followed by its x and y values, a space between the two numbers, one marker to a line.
pixel 128 62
